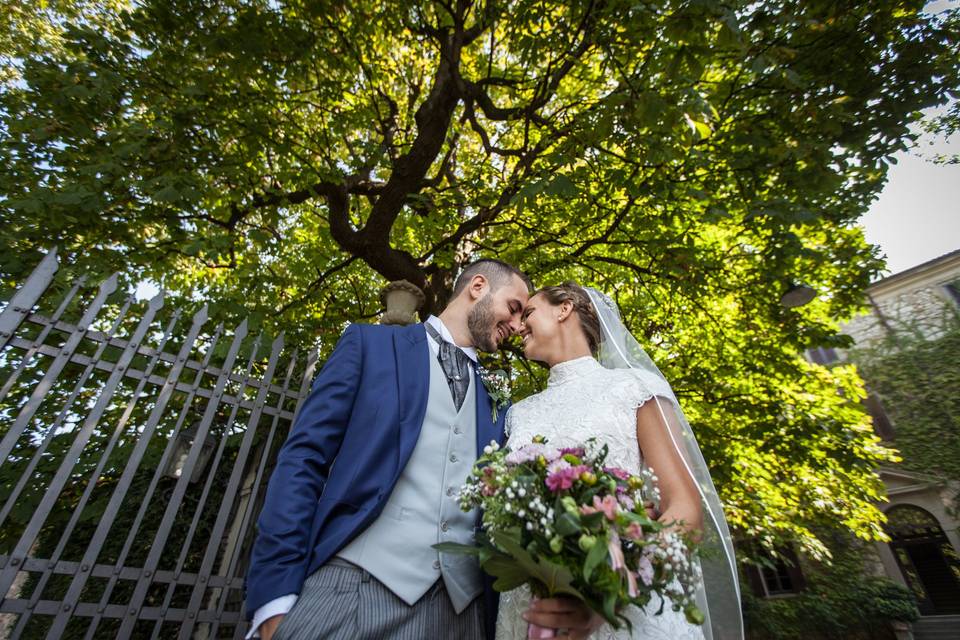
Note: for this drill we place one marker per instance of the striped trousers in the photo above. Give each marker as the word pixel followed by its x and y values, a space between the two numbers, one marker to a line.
pixel 341 601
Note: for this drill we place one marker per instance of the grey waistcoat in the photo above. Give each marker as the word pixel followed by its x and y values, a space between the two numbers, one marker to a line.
pixel 423 508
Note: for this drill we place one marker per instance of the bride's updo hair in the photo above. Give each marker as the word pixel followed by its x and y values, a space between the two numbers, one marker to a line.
pixel 572 292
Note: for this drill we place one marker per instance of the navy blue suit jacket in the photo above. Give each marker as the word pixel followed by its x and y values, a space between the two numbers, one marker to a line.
pixel 345 452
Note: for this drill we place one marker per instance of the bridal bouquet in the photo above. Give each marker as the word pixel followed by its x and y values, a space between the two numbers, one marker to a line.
pixel 562 522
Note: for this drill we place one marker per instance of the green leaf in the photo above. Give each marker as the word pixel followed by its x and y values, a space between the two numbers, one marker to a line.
pixel 609 607
pixel 567 524
pixel 167 194
pixel 597 555
pixel 562 186
pixel 260 236
pixel 509 575
pixel 555 578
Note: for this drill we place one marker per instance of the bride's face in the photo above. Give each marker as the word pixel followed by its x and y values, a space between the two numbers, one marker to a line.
pixel 539 328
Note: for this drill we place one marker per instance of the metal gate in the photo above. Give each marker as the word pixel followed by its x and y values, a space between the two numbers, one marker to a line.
pixel 135 445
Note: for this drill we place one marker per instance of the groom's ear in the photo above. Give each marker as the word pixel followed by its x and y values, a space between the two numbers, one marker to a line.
pixel 478 286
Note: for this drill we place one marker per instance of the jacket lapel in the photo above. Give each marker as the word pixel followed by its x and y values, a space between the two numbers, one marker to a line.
pixel 413 386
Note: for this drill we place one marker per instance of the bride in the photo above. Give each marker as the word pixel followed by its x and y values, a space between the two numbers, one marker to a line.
pixel 603 385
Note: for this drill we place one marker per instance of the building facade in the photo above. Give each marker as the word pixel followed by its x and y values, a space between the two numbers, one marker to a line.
pixel 922 511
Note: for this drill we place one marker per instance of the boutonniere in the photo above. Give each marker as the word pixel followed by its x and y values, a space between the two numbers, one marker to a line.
pixel 497 384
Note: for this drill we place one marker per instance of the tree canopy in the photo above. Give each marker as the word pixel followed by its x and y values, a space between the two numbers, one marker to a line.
pixel 285 159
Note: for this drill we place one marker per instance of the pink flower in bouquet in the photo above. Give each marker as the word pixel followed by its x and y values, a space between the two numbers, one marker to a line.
pixel 489 484
pixel 576 451
pixel 608 505
pixel 645 570
pixel 625 500
pixel 634 531
pixel 618 473
pixel 562 476
pixel 616 552
pixel 526 453
pixel 632 584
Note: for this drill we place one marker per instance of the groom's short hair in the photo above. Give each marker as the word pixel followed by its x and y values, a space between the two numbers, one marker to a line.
pixel 497 273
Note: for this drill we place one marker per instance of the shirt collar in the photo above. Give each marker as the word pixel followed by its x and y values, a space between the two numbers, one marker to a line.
pixel 437 324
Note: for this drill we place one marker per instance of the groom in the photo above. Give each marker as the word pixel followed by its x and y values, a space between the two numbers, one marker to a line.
pixel 368 478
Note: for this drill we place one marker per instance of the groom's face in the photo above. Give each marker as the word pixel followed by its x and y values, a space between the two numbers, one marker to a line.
pixel 496 315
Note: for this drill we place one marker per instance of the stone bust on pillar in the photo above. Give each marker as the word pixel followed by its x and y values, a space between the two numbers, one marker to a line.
pixel 402 300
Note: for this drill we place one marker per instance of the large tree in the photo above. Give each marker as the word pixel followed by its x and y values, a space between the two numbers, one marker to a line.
pixel 285 159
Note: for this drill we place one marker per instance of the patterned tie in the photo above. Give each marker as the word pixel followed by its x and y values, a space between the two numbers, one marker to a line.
pixel 456 366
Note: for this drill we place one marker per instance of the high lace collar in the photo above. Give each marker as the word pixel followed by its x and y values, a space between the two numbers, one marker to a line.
pixel 572 370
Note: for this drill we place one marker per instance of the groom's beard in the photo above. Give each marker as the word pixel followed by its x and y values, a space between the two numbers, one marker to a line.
pixel 480 324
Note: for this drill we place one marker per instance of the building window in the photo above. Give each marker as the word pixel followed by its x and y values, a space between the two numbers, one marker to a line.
pixel 776 579
pixel 953 289
pixel 882 425
pixel 775 575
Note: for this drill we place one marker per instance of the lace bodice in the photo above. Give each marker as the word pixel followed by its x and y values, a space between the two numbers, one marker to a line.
pixel 585 400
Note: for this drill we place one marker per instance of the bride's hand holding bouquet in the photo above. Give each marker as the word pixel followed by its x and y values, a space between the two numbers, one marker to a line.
pixel 560 521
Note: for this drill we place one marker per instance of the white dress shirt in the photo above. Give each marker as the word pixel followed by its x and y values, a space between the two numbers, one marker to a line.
pixel 283 604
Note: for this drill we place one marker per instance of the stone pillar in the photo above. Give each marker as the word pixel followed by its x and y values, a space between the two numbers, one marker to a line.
pixel 902 630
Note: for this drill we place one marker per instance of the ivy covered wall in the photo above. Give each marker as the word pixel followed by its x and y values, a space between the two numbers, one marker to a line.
pixel 917 381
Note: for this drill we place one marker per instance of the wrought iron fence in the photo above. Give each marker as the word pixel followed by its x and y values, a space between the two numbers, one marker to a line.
pixel 135 447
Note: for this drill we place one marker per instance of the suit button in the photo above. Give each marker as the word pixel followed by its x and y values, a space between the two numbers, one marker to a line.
pixel 457 430
pixel 436 565
pixel 453 457
pixel 444 526
pixel 450 491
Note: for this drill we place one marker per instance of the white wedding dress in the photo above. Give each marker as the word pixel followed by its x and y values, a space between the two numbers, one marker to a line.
pixel 585 400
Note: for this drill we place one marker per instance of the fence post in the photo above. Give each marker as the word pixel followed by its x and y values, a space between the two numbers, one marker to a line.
pixel 26 296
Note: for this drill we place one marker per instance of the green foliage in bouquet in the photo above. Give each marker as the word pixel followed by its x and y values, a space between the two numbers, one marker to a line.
pixel 562 522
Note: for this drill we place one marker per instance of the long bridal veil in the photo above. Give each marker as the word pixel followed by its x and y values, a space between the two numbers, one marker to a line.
pixel 719 598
